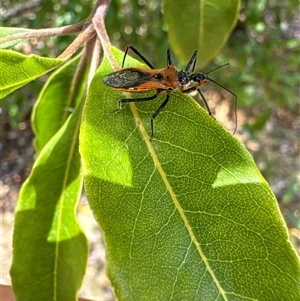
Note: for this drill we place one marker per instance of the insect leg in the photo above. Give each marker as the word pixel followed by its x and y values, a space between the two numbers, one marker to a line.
pixel 156 113
pixel 137 53
pixel 233 94
pixel 146 99
pixel 203 98
pixel 169 58
pixel 135 100
pixel 206 104
pixel 192 62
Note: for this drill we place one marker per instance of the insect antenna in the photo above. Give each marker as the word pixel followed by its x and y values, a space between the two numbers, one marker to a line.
pixel 205 76
pixel 219 67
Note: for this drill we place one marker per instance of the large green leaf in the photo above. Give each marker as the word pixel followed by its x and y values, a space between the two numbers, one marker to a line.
pixel 60 95
pixel 49 247
pixel 187 215
pixel 204 25
pixel 17 69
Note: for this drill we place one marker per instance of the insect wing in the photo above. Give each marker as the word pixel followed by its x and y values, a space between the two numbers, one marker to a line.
pixel 149 86
pixel 127 78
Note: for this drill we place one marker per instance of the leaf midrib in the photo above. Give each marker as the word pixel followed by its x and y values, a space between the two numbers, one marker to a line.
pixel 173 196
pixel 63 198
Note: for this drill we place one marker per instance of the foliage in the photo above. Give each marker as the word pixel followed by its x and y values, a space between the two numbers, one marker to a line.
pixel 186 215
pixel 192 217
pixel 272 53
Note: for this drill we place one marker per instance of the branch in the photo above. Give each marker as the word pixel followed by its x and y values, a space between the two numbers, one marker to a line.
pixel 95 58
pixel 45 32
pixel 83 36
pixel 98 21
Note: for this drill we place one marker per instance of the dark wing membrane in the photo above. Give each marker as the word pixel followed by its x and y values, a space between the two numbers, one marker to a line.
pixel 127 78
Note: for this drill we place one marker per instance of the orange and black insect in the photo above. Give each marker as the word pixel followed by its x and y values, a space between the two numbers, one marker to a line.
pixel 136 79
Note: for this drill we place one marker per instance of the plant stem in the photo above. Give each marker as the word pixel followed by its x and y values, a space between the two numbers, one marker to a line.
pixel 99 25
pixel 45 32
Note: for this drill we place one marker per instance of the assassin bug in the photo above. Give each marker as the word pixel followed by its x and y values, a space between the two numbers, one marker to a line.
pixel 136 79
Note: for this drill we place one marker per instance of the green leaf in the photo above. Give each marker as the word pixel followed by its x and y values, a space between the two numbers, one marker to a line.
pixel 204 25
pixel 8 31
pixel 60 95
pixel 187 215
pixel 49 247
pixel 17 69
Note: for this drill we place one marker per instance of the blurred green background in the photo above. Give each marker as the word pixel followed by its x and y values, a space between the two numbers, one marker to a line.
pixel 263 52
